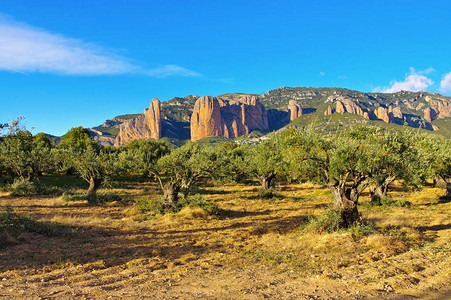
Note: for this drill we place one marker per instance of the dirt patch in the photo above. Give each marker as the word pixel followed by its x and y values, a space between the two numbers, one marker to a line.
pixel 253 250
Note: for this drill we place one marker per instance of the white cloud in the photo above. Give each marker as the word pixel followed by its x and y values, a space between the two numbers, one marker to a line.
pixel 415 81
pixel 170 70
pixel 26 49
pixel 445 84
pixel 322 73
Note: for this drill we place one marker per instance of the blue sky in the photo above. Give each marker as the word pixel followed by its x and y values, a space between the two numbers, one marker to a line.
pixel 76 63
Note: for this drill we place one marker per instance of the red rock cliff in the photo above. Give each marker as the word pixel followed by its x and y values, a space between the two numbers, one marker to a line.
pixel 229 118
pixel 145 126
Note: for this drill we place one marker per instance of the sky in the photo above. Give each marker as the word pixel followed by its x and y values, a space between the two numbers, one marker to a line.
pixel 65 64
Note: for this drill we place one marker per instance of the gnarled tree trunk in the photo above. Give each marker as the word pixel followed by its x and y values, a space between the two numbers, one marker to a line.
pixel 345 200
pixel 379 191
pixel 94 184
pixel 171 192
pixel 448 188
pixel 267 180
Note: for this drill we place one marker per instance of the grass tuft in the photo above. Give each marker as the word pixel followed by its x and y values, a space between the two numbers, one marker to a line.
pixel 145 205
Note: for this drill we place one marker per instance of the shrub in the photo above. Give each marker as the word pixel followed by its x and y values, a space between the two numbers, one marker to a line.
pixel 156 206
pixel 160 206
pixel 199 201
pixel 29 188
pixel 23 188
pixel 267 193
pixel 330 221
pixel 387 201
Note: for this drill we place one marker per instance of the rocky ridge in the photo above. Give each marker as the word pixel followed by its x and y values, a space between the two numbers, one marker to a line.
pixel 235 114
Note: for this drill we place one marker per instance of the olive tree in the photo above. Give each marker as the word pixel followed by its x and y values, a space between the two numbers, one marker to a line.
pixel 141 156
pixel 343 161
pixel 393 156
pixel 180 169
pixel 264 162
pixel 437 153
pixel 92 163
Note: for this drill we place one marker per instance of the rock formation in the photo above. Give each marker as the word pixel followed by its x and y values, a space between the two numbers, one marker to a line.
pixel 440 105
pixel 347 105
pixel 229 118
pixel 397 113
pixel 382 113
pixel 145 126
pixel 295 109
pixel 328 111
pixel 430 114
pixel 340 108
pixel 206 118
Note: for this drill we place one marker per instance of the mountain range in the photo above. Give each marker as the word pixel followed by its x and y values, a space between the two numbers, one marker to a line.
pixel 235 115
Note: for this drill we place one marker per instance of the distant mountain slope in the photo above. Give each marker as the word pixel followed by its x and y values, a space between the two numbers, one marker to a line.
pixel 327 107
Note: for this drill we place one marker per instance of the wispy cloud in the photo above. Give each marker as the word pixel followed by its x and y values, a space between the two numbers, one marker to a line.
pixel 27 49
pixel 170 70
pixel 415 81
pixel 445 84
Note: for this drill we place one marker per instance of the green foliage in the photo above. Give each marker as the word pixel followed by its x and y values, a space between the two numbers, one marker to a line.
pixel 93 164
pixel 77 139
pixel 180 169
pixel 362 229
pixel 23 156
pixel 331 221
pixel 263 161
pixel 267 193
pixel 141 156
pixel 199 201
pixel 23 188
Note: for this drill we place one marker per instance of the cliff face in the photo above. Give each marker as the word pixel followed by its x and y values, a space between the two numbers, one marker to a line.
pixel 295 109
pixel 229 118
pixel 391 114
pixel 234 114
pixel 145 126
pixel 206 118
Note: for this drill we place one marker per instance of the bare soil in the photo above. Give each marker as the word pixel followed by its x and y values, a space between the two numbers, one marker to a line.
pixel 254 249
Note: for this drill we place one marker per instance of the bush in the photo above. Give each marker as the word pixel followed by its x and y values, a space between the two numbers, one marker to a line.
pixel 156 206
pixel 29 188
pixel 330 221
pixel 267 194
pixel 97 199
pixel 387 201
pixel 13 225
pixel 159 206
pixel 199 201
pixel 23 188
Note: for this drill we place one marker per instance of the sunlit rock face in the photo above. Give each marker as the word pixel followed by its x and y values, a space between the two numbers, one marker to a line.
pixel 229 118
pixel 145 126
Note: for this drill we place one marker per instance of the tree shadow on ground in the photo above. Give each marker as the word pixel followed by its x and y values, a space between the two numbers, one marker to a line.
pixel 234 214
pixel 435 227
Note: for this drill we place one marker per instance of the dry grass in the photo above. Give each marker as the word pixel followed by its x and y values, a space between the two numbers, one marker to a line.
pixel 253 249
